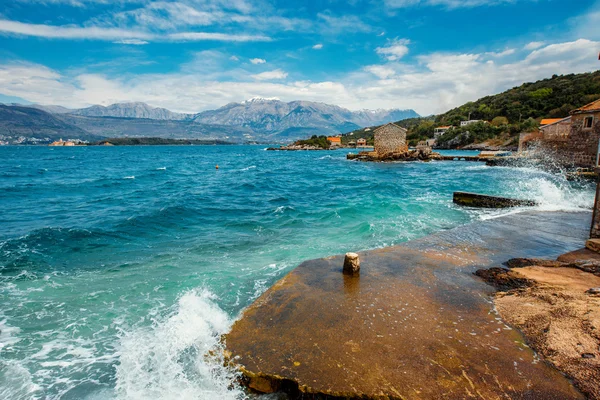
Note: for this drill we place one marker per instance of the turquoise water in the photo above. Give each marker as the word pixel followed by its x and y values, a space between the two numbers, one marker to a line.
pixel 121 266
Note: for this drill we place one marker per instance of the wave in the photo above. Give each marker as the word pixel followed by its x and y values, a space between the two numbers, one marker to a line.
pixel 179 356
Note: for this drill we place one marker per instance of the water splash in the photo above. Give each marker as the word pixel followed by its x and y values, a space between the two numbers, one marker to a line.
pixel 180 356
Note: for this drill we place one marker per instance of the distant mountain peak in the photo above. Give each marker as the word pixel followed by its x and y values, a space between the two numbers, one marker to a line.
pixel 259 99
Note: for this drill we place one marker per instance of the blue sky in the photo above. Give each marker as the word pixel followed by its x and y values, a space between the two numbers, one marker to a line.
pixel 192 55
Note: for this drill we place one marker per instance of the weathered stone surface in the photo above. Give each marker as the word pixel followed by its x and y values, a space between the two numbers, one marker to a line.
pixel 593 245
pixel 503 279
pixel 416 325
pixel 485 201
pixel 408 155
pixel 389 139
pixel 560 317
pixel 595 290
pixel 351 264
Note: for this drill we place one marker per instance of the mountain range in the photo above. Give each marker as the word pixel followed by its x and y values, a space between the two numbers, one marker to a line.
pixel 254 120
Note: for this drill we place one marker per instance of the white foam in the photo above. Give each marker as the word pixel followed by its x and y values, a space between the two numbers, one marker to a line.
pixel 16 382
pixel 171 358
pixel 7 334
pixel 129 177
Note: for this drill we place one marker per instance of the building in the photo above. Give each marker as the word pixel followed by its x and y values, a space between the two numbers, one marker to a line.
pixel 584 137
pixel 335 141
pixel 471 121
pixel 390 139
pixel 362 142
pixel 555 129
pixel 572 141
pixel 440 130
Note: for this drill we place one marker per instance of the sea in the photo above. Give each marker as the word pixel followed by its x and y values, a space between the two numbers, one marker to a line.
pixel 121 267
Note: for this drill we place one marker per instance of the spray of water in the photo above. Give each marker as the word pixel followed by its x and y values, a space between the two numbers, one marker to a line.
pixel 180 356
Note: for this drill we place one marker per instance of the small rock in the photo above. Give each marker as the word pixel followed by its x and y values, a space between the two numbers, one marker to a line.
pixel 593 244
pixel 351 264
pixel 595 290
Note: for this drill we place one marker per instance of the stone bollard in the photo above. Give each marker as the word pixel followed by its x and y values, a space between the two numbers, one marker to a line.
pixel 351 264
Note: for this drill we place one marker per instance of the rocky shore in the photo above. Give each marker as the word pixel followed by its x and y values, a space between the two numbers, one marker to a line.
pixel 556 304
pixel 296 147
pixel 414 323
pixel 411 155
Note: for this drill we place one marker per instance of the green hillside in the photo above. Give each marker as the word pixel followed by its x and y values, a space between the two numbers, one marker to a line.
pixel 514 111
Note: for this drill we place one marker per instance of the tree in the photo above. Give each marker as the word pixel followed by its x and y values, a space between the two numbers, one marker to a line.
pixel 499 121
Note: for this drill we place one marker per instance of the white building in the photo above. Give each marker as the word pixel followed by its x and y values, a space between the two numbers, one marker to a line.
pixel 440 130
pixel 471 121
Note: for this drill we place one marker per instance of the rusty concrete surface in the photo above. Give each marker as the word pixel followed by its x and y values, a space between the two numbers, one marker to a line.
pixel 416 323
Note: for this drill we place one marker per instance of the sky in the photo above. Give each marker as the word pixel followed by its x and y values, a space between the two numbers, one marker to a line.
pixel 194 55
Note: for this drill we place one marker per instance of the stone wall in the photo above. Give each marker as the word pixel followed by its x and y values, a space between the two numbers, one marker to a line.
pixel 583 143
pixel 390 139
pixel 579 148
pixel 557 131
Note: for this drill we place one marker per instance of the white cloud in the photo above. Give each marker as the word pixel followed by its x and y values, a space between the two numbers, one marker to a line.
pixel 380 71
pixel 500 54
pixel 135 42
pixel 318 46
pixel 395 49
pixel 116 34
pixel 225 37
pixel 331 24
pixel 257 61
pixel 533 45
pixel 434 83
pixel 234 58
pixel 276 74
pixel 451 4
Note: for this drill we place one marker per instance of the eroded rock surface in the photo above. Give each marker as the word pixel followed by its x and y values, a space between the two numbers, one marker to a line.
pixel 416 325
pixel 559 312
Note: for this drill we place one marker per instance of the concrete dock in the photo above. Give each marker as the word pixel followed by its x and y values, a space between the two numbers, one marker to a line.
pixel 414 324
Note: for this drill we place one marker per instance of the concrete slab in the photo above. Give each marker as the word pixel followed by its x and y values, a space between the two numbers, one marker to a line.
pixel 415 324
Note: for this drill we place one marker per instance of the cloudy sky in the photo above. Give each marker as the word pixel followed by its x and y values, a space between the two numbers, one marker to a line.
pixel 193 55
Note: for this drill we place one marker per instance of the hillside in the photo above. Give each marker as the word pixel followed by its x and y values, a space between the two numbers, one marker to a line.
pixel 31 125
pixel 131 110
pixel 254 120
pixel 278 119
pixel 511 112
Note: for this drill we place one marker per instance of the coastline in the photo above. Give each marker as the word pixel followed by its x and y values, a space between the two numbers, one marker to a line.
pixel 307 334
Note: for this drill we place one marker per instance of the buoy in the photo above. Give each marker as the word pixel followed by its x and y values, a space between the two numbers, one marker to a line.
pixel 217 167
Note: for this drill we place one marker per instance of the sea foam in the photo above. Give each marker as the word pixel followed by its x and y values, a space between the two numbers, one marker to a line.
pixel 179 356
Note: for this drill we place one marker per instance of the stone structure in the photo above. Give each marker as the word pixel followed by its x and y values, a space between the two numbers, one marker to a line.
pixel 351 264
pixel 572 141
pixel 390 139
pixel 584 135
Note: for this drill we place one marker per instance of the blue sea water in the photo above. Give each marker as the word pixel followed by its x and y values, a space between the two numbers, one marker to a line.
pixel 121 266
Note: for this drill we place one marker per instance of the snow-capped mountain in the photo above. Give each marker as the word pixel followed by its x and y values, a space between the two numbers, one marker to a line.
pixel 272 116
pixel 256 119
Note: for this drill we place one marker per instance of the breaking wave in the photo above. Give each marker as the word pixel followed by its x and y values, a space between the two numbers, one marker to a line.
pixel 179 357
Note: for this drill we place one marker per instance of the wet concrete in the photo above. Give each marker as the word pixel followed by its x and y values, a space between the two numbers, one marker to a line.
pixel 415 324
